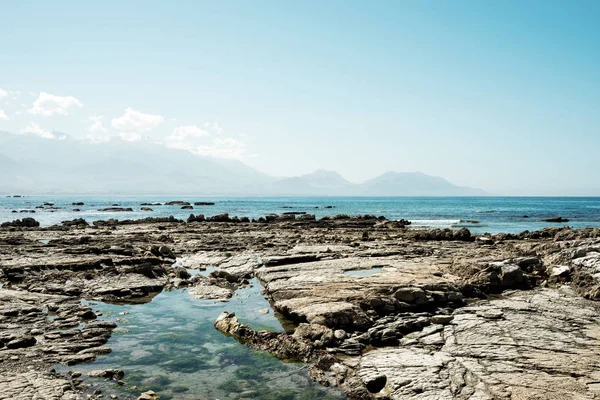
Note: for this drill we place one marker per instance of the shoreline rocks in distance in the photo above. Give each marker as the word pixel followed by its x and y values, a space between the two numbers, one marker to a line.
pixel 556 219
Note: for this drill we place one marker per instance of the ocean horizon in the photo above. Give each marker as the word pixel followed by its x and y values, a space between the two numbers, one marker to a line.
pixel 480 214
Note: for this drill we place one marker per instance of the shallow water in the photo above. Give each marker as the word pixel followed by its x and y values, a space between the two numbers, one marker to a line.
pixel 363 272
pixel 170 346
pixel 493 214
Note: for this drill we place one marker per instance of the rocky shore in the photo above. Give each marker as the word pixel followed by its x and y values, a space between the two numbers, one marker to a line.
pixel 378 309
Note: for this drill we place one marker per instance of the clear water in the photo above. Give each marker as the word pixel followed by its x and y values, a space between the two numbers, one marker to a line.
pixel 170 346
pixel 479 214
pixel 363 272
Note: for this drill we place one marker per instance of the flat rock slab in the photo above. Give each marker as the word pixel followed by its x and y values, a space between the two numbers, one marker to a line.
pixel 543 344
pixel 320 292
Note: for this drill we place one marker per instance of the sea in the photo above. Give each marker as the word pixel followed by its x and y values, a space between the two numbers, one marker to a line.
pixel 478 214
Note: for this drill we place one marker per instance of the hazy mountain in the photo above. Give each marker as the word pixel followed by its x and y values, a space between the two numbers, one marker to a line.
pixel 320 182
pixel 414 184
pixel 30 164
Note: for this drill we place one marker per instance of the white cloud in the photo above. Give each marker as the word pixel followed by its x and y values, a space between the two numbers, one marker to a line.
pixel 3 114
pixel 186 137
pixel 215 127
pixel 98 133
pixel 136 122
pixel 3 93
pixel 130 136
pixel 195 140
pixel 35 129
pixel 223 148
pixel 48 104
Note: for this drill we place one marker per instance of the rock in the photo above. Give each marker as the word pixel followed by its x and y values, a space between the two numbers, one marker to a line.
pixel 204 203
pixel 21 223
pixel 75 222
pixel 560 270
pixel 177 203
pixel 556 219
pixel 197 218
pixel 146 209
pixel 116 209
pixel 165 251
pixel 375 384
pixel 149 395
pixel 264 311
pixel 411 295
pixel 219 218
pixel 187 207
pixel 484 240
pixel 21 342
pixel 339 334
pixel 511 275
pixel 441 319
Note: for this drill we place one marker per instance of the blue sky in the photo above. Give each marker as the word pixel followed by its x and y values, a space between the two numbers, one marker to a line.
pixel 501 95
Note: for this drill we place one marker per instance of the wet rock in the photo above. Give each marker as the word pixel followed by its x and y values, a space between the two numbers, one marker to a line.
pixel 556 219
pixel 178 203
pixel 21 223
pixel 149 395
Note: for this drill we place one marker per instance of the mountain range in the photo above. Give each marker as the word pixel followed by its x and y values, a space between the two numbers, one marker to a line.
pixel 35 165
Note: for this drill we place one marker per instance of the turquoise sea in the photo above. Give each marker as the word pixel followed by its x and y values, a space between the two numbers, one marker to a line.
pixel 479 214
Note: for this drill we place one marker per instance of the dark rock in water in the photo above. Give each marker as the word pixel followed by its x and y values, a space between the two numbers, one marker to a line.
pixel 287 207
pixel 21 223
pixel 14 211
pixel 76 210
pixel 221 274
pixel 27 211
pixel 181 273
pixel 39 206
pixel 75 222
pixel 115 205
pixel 204 203
pixel 525 216
pixel 146 209
pixel 177 203
pixel 48 204
pixel 329 207
pixel 148 220
pixel 556 219
pixel 117 209
pixel 294 213
pixel 187 207
pixel 77 203
pixel 307 217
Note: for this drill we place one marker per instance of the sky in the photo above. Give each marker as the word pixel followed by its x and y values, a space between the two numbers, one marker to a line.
pixel 499 95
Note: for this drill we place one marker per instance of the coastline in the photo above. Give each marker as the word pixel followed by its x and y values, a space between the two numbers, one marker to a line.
pixel 432 298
